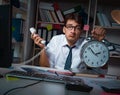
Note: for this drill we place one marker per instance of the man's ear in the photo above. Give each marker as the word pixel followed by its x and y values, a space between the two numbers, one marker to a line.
pixel 64 29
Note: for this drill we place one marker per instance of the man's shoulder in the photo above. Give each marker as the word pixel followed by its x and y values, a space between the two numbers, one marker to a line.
pixel 56 41
pixel 60 36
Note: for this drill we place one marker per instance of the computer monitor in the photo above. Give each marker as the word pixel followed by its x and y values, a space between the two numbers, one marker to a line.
pixel 5 36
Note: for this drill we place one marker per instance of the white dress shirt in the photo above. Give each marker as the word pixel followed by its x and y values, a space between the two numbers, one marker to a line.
pixel 57 52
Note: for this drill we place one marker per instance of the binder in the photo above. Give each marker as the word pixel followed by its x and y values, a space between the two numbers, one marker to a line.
pixel 58 12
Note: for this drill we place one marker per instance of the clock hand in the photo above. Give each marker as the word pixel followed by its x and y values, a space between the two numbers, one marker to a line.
pixel 93 52
pixel 98 53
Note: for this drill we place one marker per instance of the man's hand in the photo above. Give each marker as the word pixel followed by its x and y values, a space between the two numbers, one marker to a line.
pixel 37 40
pixel 98 33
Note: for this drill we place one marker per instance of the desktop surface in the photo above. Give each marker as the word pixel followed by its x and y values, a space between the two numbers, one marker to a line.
pixel 41 87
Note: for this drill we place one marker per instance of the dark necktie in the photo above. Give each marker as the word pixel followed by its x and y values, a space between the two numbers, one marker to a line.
pixel 69 58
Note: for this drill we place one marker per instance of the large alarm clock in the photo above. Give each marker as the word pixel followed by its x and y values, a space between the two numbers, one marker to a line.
pixel 94 53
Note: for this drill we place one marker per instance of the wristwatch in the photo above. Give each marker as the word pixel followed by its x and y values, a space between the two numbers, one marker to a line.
pixel 94 53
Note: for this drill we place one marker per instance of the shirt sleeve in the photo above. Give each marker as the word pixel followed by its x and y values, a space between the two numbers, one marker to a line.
pixel 51 48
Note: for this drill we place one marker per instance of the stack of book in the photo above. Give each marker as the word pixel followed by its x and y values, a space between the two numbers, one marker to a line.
pixel 50 12
pixel 78 10
pixel 103 19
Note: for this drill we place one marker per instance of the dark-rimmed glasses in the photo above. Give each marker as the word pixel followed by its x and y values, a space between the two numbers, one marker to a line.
pixel 70 27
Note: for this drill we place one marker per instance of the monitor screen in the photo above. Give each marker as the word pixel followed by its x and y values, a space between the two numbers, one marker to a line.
pixel 5 36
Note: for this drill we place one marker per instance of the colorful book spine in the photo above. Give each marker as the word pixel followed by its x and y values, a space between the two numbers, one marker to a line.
pixel 58 12
pixel 54 16
pixel 50 12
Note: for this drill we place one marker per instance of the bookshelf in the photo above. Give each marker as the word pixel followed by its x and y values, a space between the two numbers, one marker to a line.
pixel 46 14
pixel 112 28
pixel 91 7
pixel 104 10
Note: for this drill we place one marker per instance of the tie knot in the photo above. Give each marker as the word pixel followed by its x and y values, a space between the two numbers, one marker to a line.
pixel 70 47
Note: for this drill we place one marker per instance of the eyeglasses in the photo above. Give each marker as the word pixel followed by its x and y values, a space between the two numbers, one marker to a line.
pixel 70 27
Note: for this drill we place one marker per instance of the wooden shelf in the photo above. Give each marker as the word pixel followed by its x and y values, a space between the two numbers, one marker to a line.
pixel 49 22
pixel 112 28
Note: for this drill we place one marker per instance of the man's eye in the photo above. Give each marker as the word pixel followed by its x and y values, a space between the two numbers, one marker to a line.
pixel 77 27
pixel 70 27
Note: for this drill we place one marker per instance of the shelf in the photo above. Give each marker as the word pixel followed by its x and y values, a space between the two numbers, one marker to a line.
pixel 113 28
pixel 94 8
pixel 49 23
pixel 117 28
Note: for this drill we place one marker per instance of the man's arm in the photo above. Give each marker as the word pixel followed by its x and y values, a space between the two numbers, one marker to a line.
pixel 43 56
pixel 44 62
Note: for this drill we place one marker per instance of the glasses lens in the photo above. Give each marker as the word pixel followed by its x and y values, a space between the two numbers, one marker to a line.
pixel 70 27
pixel 78 27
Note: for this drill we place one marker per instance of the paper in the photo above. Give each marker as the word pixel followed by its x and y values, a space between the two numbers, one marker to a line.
pixel 49 27
pixel 108 83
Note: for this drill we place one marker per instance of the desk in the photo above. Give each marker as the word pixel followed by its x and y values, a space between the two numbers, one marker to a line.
pixel 46 88
pixel 42 88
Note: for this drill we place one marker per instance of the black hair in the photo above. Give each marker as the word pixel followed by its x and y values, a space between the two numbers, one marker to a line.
pixel 75 17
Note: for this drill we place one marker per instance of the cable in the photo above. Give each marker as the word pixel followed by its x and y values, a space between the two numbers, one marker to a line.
pixel 33 32
pixel 6 93
pixel 31 59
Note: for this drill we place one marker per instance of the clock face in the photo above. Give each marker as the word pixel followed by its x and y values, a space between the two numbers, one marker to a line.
pixel 95 54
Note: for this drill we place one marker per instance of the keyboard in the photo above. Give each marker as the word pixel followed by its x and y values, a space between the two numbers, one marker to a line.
pixel 45 76
pixel 71 82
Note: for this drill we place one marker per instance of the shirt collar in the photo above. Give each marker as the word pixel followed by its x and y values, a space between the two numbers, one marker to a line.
pixel 77 44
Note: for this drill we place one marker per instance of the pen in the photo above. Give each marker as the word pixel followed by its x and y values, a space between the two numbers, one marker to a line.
pixel 56 73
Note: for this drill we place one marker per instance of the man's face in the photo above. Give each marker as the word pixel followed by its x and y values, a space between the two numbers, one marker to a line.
pixel 72 31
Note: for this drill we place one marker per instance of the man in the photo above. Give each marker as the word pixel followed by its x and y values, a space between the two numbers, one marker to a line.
pixel 56 52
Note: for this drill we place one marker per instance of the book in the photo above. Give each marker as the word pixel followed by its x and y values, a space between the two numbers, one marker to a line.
pixel 72 10
pixel 39 32
pixel 49 35
pixel 58 12
pixel 43 15
pixel 114 24
pixel 46 5
pixel 54 16
pixel 44 34
pixel 49 14
pixel 105 20
pixel 54 32
pixel 60 16
pixel 46 15
pixel 100 19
